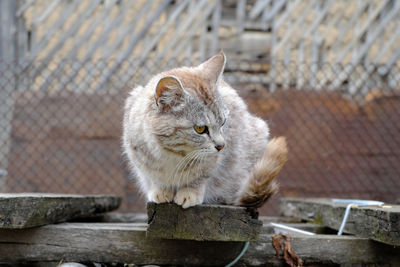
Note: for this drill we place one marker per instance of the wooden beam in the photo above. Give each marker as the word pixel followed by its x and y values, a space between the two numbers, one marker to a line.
pixel 127 243
pixel 258 8
pixel 202 9
pixel 35 209
pixel 115 217
pixel 378 223
pixel 134 40
pixel 240 16
pixel 202 223
pixel 363 50
pixel 61 41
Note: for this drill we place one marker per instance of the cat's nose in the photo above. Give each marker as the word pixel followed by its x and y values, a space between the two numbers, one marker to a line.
pixel 219 147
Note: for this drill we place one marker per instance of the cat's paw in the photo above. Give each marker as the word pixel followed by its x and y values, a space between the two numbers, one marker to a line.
pixel 188 197
pixel 160 195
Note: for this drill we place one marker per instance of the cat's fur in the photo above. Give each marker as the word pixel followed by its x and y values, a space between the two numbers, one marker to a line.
pixel 234 163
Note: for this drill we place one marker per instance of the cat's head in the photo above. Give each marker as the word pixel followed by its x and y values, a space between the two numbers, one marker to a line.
pixel 190 112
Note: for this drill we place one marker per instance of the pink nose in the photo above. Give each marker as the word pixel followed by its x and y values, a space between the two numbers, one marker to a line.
pixel 219 147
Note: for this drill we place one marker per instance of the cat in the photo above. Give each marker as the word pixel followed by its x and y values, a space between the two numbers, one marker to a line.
pixel 190 139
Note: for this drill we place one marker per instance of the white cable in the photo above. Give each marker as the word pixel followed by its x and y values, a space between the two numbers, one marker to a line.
pixel 353 203
pixel 282 226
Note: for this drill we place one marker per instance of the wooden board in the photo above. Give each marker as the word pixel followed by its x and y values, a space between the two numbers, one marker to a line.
pixel 378 223
pixel 142 217
pixel 127 243
pixel 202 223
pixel 34 209
pixel 115 217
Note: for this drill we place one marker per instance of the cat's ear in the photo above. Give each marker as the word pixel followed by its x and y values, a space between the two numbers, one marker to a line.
pixel 214 67
pixel 169 93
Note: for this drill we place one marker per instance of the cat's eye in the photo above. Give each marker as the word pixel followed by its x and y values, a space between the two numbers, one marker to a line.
pixel 200 129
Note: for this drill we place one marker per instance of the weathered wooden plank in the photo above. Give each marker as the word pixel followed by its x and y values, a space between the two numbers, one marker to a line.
pixel 267 228
pixel 258 8
pixel 276 7
pixel 127 243
pixel 134 40
pixel 35 209
pixel 114 217
pixel 24 7
pixel 195 30
pixel 172 17
pixel 378 223
pixel 183 28
pixel 49 9
pixel 240 16
pixel 55 27
pixel 322 14
pixel 202 222
pixel 142 217
pixel 150 45
pixel 299 23
pixel 61 42
pixel 366 46
pixel 100 40
pixel 216 21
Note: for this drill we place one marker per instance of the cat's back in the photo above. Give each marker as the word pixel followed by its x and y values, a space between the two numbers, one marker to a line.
pixel 242 120
pixel 135 98
pixel 135 111
pixel 246 139
pixel 246 134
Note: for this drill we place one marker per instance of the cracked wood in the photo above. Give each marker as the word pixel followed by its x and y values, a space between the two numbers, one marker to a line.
pixel 127 243
pixel 202 223
pixel 35 209
pixel 378 223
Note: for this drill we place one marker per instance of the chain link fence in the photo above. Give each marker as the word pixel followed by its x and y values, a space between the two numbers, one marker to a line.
pixel 60 131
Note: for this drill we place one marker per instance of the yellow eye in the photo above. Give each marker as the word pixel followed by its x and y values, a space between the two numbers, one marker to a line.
pixel 200 129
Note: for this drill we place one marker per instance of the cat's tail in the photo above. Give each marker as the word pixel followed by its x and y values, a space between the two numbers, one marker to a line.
pixel 261 184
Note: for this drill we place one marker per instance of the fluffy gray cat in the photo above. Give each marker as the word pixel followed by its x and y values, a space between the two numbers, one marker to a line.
pixel 190 139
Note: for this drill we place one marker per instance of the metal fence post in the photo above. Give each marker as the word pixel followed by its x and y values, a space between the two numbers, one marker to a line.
pixel 8 81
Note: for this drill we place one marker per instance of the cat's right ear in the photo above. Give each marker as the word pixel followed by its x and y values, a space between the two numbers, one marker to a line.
pixel 169 93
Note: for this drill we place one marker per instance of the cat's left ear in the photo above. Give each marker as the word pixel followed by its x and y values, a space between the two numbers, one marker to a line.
pixel 214 67
pixel 169 93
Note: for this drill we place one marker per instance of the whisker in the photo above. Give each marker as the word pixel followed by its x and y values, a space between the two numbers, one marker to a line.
pixel 188 158
pixel 189 172
pixel 184 169
pixel 202 153
pixel 180 165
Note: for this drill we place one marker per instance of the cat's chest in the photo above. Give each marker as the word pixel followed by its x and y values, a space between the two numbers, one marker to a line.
pixel 179 170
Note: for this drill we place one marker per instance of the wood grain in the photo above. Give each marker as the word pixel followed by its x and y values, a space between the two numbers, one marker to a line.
pixel 34 209
pixel 378 223
pixel 127 243
pixel 202 223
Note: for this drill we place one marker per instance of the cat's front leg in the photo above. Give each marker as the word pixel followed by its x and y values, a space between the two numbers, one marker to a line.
pixel 191 195
pixel 160 194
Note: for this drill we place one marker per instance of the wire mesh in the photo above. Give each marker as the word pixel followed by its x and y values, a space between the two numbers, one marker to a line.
pixel 61 133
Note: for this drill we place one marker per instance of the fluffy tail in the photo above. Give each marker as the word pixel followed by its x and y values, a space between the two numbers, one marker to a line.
pixel 261 184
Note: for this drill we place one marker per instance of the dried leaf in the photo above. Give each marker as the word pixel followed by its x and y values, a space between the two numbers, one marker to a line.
pixel 289 255
pixel 276 243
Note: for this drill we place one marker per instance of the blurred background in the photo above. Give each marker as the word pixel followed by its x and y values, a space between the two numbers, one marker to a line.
pixel 323 73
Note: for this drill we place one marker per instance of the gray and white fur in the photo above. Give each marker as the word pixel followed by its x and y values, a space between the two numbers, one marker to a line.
pixel 190 139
